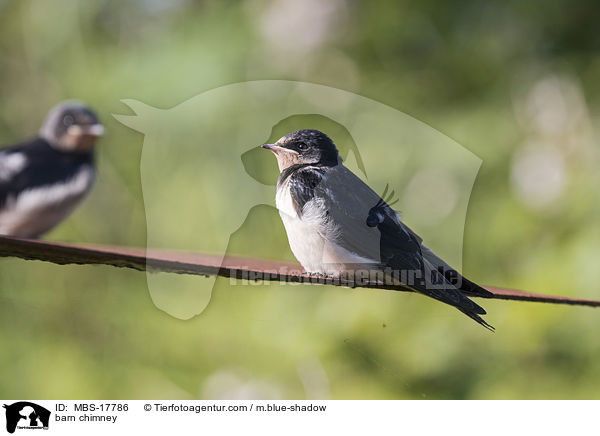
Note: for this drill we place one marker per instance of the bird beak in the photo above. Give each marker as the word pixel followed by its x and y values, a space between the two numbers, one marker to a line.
pixel 91 130
pixel 277 148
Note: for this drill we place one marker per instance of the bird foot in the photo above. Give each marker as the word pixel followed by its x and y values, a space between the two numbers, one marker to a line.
pixel 318 275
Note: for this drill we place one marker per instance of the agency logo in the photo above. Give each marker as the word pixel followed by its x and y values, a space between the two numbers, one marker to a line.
pixel 26 415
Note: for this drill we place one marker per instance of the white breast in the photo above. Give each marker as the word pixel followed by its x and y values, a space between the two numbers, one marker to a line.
pixel 37 210
pixel 312 237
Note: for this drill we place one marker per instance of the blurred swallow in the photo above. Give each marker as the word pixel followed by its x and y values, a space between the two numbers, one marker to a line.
pixel 337 224
pixel 43 179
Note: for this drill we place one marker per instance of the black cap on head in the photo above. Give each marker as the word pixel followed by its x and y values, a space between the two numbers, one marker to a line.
pixel 312 146
pixel 70 118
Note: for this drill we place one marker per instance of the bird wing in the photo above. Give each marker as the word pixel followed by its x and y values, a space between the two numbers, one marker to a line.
pixel 364 224
pixel 348 203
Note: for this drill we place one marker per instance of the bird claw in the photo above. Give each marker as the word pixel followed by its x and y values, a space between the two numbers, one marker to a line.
pixel 318 275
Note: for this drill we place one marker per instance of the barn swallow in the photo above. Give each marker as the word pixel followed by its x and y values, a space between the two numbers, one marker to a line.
pixel 43 179
pixel 337 224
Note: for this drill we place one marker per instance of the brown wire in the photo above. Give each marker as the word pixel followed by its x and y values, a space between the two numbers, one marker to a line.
pixel 206 264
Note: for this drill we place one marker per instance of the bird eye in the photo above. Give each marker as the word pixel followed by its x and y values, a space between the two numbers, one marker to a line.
pixel 68 120
pixel 301 146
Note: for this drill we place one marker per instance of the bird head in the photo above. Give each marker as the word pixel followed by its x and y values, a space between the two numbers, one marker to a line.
pixel 304 147
pixel 71 126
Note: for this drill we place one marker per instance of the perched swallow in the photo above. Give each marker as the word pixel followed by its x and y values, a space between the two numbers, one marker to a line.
pixel 43 179
pixel 337 224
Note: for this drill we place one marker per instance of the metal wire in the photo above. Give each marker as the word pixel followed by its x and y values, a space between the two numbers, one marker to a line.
pixel 205 264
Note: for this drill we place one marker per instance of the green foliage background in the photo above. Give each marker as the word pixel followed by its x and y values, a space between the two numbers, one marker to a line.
pixel 501 78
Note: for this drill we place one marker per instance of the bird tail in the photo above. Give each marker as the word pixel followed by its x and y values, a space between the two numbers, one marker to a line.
pixel 447 293
pixel 478 319
pixel 454 297
pixel 466 286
